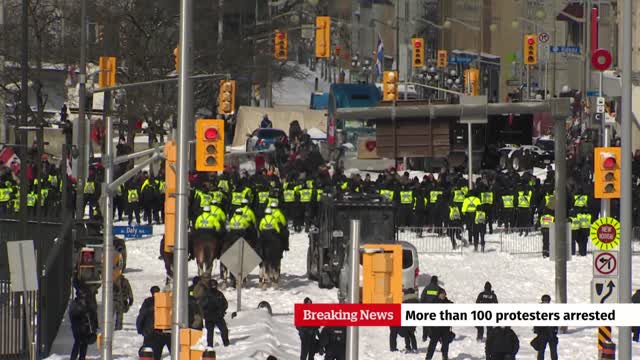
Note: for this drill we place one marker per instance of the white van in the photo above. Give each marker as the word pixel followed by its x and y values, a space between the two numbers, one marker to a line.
pixel 410 267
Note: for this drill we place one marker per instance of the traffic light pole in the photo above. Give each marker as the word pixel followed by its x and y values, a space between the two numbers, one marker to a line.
pixel 185 116
pixel 107 271
pixel 626 219
pixel 80 134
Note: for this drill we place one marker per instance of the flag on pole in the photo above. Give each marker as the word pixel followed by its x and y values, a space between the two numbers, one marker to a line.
pixel 379 57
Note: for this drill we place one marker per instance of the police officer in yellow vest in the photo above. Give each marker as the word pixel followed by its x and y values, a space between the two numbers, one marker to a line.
pixel 133 202
pixel 5 199
pixel 487 198
pixel 546 222
pixel 405 209
pixel 32 201
pixel 248 212
pixel 284 229
pixel 525 218
pixel 480 228
pixel 90 195
pixel 575 231
pixel 290 199
pixel 469 207
pixel 208 223
pixel 508 211
pixel 307 202
pixel 584 218
pixel 218 213
pixel 437 207
pixel 454 225
pixel 239 226
pixel 270 247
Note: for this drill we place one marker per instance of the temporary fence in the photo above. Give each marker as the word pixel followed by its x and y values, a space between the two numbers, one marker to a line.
pixel 433 240
pixel 521 241
pixel 45 307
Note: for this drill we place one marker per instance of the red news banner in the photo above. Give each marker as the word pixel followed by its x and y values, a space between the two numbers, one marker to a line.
pixel 348 314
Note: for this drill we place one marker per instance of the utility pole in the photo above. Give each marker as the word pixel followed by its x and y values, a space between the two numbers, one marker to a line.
pixel 22 134
pixel 560 132
pixel 553 41
pixel 626 219
pixel 4 134
pixel 406 38
pixel 269 89
pixel 587 54
pixel 81 129
pixel 354 288
pixel 185 117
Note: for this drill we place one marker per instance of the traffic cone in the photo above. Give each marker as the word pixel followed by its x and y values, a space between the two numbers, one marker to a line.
pixel 146 353
pixel 209 354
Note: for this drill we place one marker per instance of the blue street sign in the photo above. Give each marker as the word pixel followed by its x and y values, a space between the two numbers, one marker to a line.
pixel 565 49
pixel 133 232
pixel 460 59
pixel 592 93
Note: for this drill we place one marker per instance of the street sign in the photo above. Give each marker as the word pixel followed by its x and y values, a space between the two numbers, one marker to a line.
pixel 133 232
pixel 592 93
pixel 23 271
pixel 600 105
pixel 240 259
pixel 605 263
pixel 565 49
pixel 603 290
pixel 605 233
pixel 463 60
pixel 543 37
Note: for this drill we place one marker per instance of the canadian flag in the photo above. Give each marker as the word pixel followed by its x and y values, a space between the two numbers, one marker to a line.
pixel 9 158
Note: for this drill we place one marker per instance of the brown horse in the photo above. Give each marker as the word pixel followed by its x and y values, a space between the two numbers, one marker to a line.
pixel 205 247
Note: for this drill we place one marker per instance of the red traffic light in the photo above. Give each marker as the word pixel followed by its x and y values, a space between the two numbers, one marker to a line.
pixel 530 41
pixel 609 163
pixel 280 36
pixel 211 134
pixel 417 44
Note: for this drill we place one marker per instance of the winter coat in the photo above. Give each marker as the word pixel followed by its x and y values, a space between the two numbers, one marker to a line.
pixel 146 317
pixel 546 332
pixel 487 297
pixel 122 294
pixel 195 314
pixel 502 344
pixel 214 305
pixel 430 293
pixel 441 332
pixel 84 321
pixel 333 339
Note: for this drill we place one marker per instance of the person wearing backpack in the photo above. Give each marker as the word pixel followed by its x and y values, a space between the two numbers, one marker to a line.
pixel 214 306
pixel 84 323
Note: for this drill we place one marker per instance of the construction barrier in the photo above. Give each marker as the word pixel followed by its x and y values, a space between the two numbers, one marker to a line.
pixel 604 336
pixel 433 240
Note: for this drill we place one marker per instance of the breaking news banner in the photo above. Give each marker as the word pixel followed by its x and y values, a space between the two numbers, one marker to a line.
pixel 467 315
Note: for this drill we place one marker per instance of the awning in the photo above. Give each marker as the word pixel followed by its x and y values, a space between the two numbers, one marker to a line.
pixel 573 9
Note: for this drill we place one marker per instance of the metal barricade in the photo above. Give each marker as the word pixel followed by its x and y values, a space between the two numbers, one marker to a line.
pixel 521 241
pixel 433 240
pixel 17 320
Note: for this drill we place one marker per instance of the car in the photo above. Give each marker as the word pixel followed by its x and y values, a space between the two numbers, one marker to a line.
pixel 264 139
pixel 410 267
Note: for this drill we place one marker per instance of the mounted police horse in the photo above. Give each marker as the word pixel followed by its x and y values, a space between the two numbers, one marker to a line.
pixel 204 247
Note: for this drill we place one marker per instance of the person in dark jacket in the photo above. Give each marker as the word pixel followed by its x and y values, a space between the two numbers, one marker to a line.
pixel 440 334
pixel 546 335
pixel 502 344
pixel 123 299
pixel 635 299
pixel 153 338
pixel 266 123
pixel 333 341
pixel 308 339
pixel 84 323
pixel 429 295
pixel 214 306
pixel 409 332
pixel 485 297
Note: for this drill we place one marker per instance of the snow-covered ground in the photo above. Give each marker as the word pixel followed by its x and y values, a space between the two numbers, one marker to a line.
pixel 292 91
pixel 254 335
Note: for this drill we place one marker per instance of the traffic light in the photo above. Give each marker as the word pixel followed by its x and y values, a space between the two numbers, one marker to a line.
pixel 227 97
pixel 606 172
pixel 530 49
pixel 390 86
pixel 281 48
pixel 323 37
pixel 442 61
pixel 107 74
pixel 209 145
pixel 176 58
pixel 471 82
pixel 418 52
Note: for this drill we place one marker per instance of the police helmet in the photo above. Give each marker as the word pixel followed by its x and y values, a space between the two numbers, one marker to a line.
pixel 206 208
pixel 268 210
pixel 238 211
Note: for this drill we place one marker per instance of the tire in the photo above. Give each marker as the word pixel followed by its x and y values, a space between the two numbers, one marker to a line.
pixel 517 162
pixel 504 162
pixel 312 265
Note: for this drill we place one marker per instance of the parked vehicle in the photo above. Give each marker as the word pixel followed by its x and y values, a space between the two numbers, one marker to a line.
pixel 410 267
pixel 264 139
pixel 524 157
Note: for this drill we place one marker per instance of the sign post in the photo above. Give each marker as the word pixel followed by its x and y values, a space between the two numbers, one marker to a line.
pixel 240 259
pixel 605 235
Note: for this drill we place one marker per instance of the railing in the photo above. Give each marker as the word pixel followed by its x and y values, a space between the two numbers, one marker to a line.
pixel 521 241
pixel 17 316
pixel 433 240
